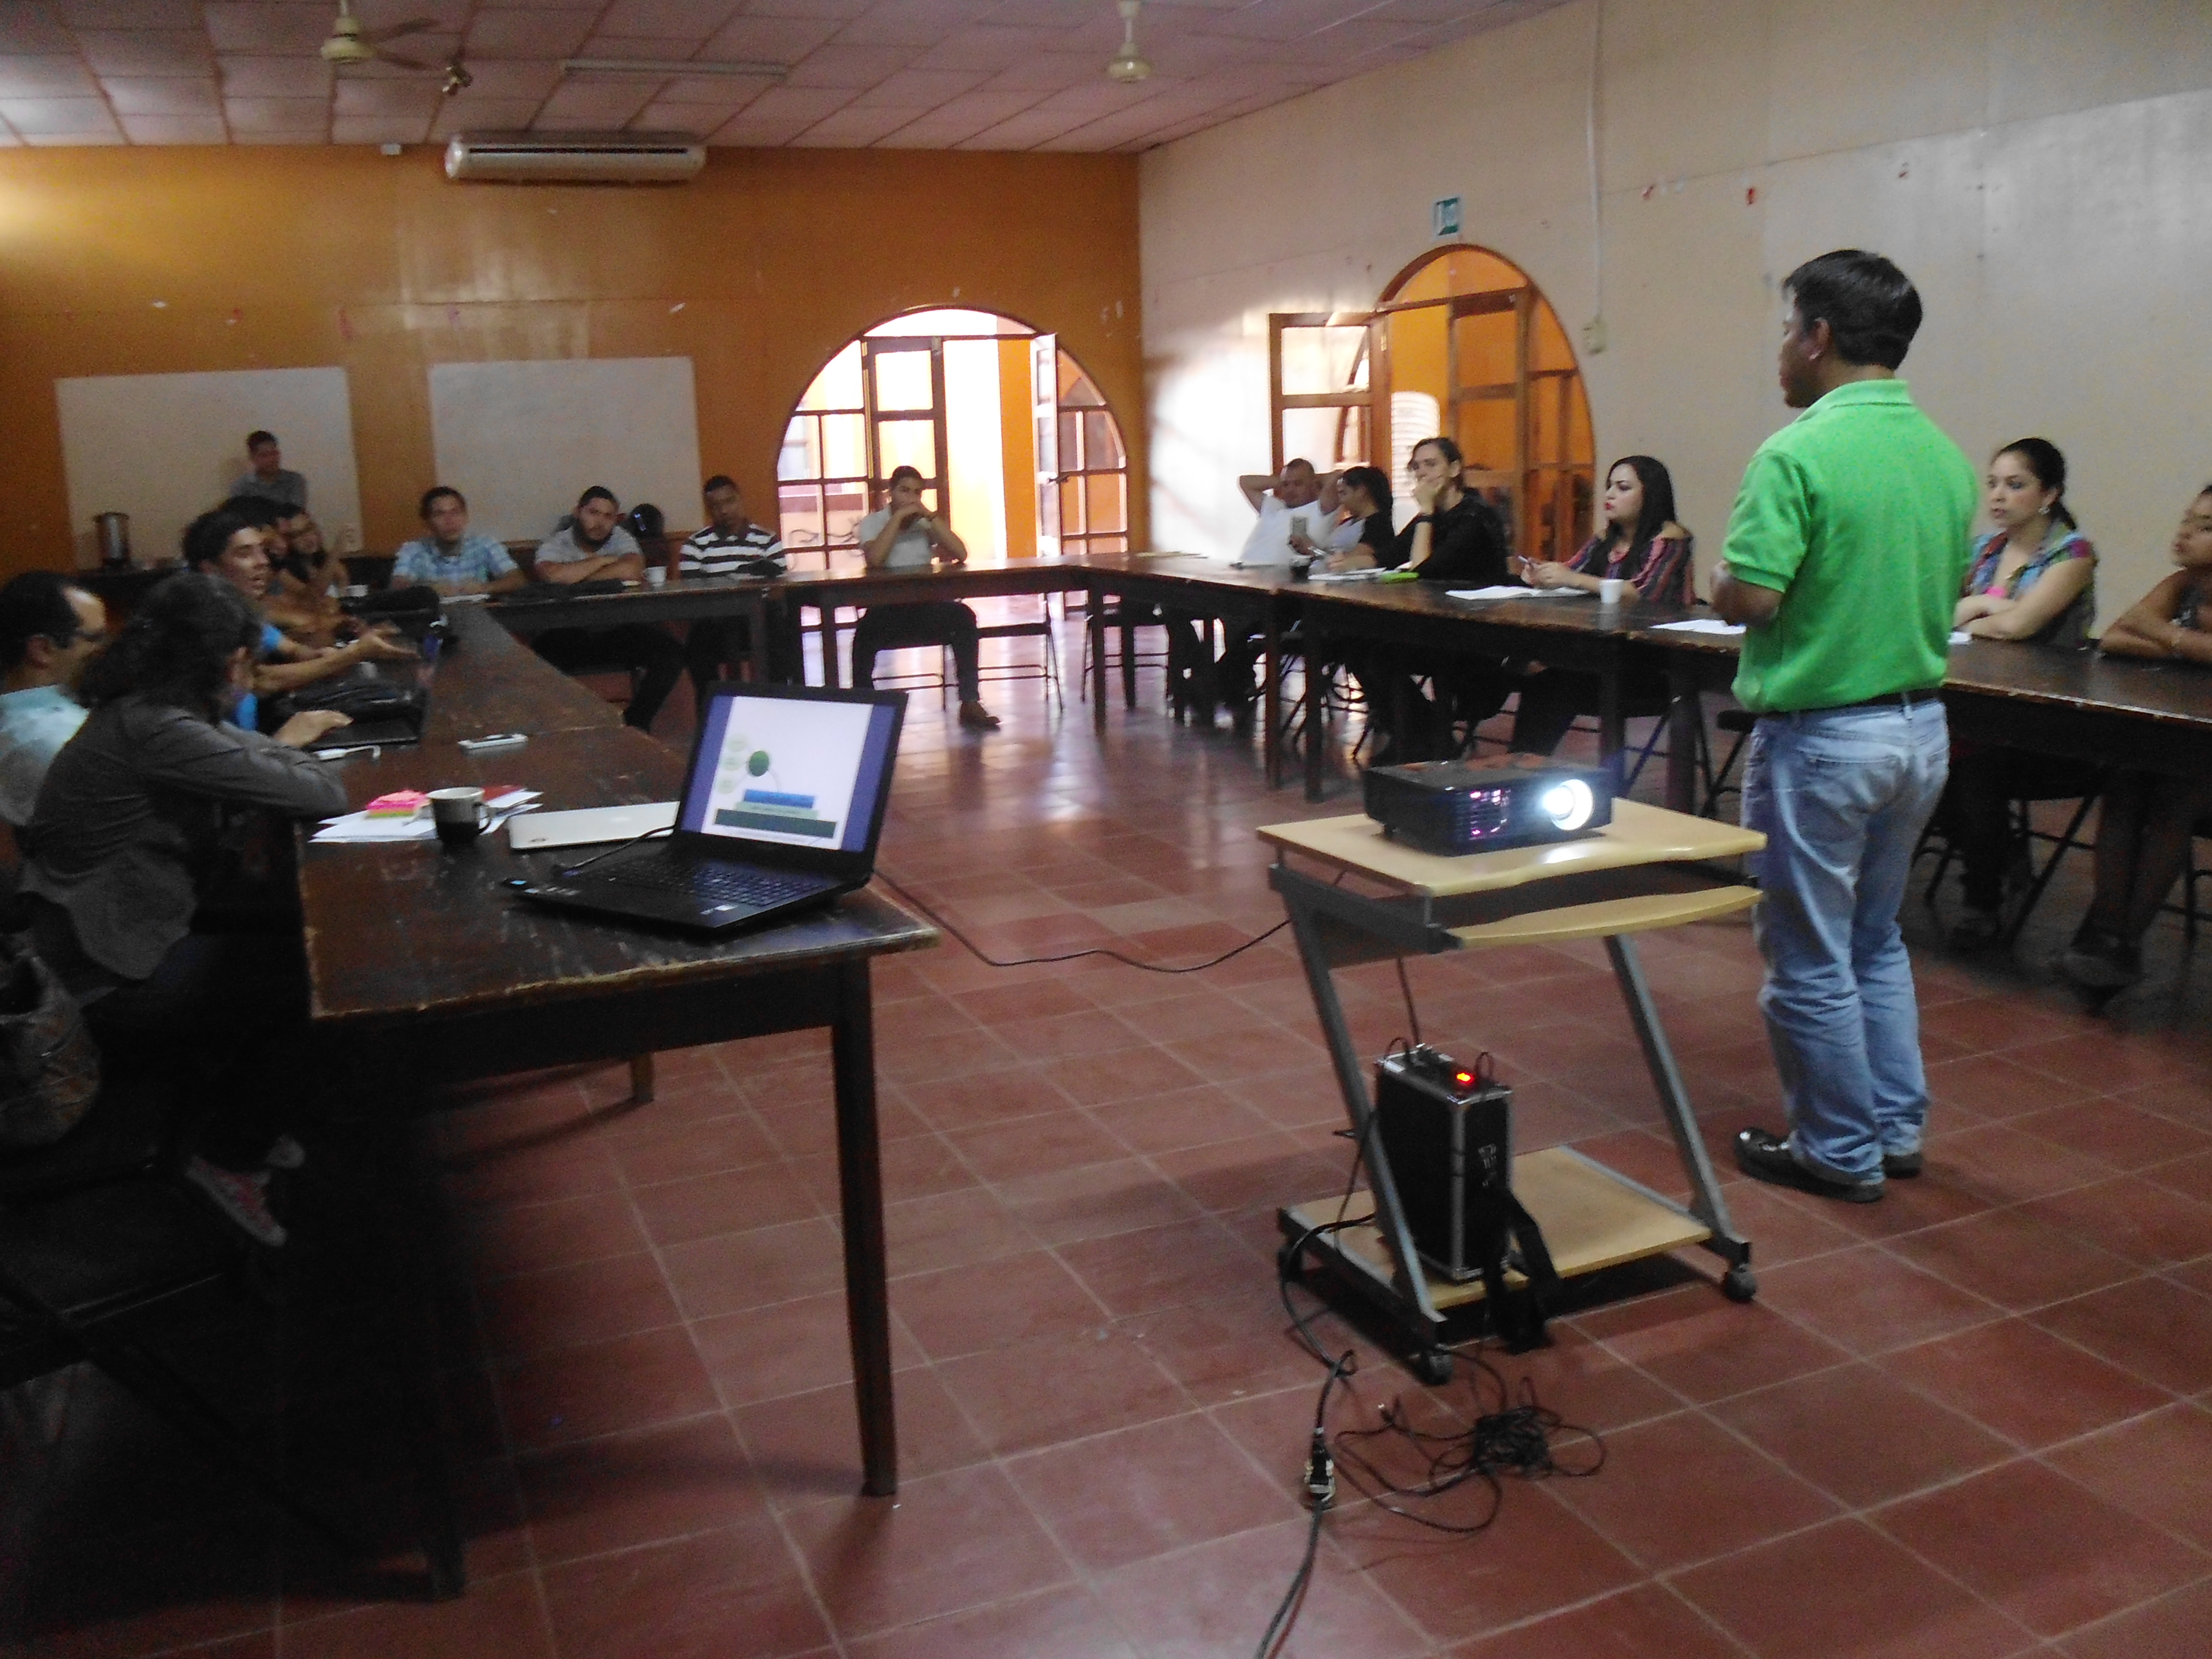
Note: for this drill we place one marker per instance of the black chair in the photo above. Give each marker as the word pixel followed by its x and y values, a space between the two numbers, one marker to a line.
pixel 1119 621
pixel 2024 832
pixel 1738 721
pixel 96 1239
pixel 2192 874
pixel 1047 669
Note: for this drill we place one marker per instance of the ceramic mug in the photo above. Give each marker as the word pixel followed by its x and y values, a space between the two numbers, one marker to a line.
pixel 459 815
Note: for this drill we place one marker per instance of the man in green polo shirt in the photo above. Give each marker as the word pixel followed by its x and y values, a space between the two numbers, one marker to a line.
pixel 1844 555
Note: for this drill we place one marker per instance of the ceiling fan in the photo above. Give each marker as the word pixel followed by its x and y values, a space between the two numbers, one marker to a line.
pixel 1128 64
pixel 349 44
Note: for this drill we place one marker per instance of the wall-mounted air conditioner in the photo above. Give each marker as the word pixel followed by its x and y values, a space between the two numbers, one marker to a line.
pixel 590 158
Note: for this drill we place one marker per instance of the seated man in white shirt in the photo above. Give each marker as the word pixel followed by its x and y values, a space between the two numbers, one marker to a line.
pixel 594 547
pixel 904 535
pixel 49 629
pixel 729 544
pixel 1297 511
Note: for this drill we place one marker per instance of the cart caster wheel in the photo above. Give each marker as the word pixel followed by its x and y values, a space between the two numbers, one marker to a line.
pixel 1434 1366
pixel 1740 1283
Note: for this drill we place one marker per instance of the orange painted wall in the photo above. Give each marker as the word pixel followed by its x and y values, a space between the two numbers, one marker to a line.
pixel 758 270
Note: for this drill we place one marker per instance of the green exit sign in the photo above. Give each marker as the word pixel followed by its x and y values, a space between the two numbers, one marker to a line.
pixel 1443 217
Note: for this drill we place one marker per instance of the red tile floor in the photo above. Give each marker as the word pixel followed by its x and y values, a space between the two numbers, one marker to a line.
pixel 1972 1421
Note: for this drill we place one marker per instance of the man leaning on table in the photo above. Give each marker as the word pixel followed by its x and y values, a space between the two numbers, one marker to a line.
pixel 1843 558
pixel 452 558
pixel 592 546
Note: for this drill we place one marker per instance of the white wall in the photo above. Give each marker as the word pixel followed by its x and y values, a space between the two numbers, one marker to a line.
pixel 2042 168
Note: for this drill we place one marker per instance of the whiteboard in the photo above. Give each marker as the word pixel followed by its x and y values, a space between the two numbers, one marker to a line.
pixel 523 440
pixel 165 447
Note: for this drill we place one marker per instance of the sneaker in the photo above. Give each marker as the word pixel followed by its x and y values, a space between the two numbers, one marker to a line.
pixel 285 1153
pixel 1765 1156
pixel 2098 961
pixel 1975 930
pixel 243 1197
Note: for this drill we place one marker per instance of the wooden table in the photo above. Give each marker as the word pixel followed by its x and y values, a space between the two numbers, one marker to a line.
pixel 1255 600
pixel 2112 711
pixel 975 580
pixel 1646 870
pixel 1577 634
pixel 426 967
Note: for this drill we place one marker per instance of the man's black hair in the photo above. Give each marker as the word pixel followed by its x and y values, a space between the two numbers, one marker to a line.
pixel 35 605
pixel 255 440
pixel 437 493
pixel 596 493
pixel 257 510
pixel 1871 306
pixel 719 481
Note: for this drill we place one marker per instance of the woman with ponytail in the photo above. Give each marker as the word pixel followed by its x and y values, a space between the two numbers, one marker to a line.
pixel 2032 578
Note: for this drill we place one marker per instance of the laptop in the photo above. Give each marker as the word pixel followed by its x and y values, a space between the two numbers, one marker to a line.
pixel 782 807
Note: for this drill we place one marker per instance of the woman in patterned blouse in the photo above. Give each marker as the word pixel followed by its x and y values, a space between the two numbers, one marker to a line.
pixel 2032 578
pixel 1639 543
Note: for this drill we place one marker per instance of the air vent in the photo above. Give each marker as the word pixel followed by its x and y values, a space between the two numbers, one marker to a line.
pixel 611 158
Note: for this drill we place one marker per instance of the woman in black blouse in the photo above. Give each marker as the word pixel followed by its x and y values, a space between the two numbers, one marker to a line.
pixel 1457 538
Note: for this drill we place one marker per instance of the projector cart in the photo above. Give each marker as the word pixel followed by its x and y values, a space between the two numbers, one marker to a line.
pixel 1649 869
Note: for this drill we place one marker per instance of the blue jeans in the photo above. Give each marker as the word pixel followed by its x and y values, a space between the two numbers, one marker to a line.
pixel 1842 796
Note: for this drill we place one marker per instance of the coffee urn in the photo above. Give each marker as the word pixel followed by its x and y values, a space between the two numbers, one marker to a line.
pixel 113 531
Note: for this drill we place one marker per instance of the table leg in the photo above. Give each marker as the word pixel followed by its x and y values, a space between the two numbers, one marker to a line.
pixel 1272 703
pixel 1316 701
pixel 1095 621
pixel 830 669
pixel 788 618
pixel 757 631
pixel 1707 1202
pixel 1612 723
pixel 860 1193
pixel 1686 719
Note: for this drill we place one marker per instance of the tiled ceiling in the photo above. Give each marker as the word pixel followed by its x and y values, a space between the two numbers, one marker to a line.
pixel 901 74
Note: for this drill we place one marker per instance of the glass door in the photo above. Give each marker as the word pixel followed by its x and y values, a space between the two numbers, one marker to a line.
pixel 1044 422
pixel 905 385
pixel 1328 385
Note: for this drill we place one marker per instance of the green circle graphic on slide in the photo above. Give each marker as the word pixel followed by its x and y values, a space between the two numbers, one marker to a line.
pixel 759 763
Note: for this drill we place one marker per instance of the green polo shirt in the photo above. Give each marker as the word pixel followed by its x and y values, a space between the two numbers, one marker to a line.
pixel 1857 513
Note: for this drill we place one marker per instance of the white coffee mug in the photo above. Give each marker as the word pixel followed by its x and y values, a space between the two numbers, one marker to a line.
pixel 460 814
pixel 655 575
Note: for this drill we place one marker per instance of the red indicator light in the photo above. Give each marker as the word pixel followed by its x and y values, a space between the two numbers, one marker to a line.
pixel 1463 1079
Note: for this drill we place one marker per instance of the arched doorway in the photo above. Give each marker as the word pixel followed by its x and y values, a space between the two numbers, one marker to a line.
pixel 1462 343
pixel 1013 441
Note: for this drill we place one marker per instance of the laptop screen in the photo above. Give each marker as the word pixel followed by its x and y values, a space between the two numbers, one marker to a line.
pixel 796 771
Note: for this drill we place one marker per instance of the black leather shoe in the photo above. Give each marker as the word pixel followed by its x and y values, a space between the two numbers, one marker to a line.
pixel 1900 1166
pixel 1765 1157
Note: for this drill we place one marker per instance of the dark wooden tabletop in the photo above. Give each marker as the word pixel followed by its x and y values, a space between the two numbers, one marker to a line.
pixel 976 579
pixel 486 681
pixel 411 928
pixel 679 599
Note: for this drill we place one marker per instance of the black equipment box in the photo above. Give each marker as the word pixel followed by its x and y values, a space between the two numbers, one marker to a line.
pixel 1450 808
pixel 1447 1132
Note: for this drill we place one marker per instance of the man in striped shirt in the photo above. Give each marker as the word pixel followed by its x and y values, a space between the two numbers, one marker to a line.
pixel 731 545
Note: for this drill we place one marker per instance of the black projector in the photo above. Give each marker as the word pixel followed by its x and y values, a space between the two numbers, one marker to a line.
pixel 1447 1134
pixel 1448 807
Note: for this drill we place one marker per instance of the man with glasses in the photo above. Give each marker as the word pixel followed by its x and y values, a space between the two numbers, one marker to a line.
pixel 49 629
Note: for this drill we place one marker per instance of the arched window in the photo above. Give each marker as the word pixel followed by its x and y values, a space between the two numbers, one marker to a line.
pixel 1013 441
pixel 1461 343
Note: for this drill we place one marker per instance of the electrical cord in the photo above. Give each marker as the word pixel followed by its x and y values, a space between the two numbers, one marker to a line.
pixel 1321 1496
pixel 619 847
pixel 983 955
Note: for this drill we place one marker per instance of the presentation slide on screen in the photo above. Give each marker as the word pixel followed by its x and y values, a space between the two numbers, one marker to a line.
pixel 786 772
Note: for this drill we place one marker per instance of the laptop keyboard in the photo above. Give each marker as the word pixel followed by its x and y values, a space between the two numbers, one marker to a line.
pixel 722 884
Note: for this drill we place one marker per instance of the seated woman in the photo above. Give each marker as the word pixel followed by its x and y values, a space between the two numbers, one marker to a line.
pixel 904 535
pixel 2032 578
pixel 1362 494
pixel 137 819
pixel 1455 538
pixel 223 544
pixel 2144 827
pixel 1639 543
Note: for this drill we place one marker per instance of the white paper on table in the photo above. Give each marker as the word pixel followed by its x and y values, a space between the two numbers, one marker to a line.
pixel 357 828
pixel 1375 573
pixel 1960 637
pixel 1519 593
pixel 1698 625
pixel 464 599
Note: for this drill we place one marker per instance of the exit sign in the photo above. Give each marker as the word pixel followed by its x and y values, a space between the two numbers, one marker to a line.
pixel 1443 217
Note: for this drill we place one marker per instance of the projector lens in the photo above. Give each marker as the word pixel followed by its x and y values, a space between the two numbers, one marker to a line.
pixel 1568 805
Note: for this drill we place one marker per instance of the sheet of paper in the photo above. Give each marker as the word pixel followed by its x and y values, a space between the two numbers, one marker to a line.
pixel 1960 637
pixel 1698 625
pixel 1519 593
pixel 359 828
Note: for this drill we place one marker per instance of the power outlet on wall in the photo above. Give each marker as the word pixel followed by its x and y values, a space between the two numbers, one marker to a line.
pixel 1594 336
